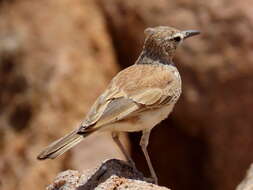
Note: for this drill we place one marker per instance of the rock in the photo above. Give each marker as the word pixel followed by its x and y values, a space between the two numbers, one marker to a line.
pixel 247 183
pixel 211 127
pixel 54 63
pixel 121 183
pixel 57 56
pixel 117 174
pixel 112 174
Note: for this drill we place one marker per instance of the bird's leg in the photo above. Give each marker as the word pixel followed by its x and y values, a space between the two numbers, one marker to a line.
pixel 115 137
pixel 144 144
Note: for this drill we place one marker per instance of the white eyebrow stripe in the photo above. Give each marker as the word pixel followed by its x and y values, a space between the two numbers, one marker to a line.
pixel 174 36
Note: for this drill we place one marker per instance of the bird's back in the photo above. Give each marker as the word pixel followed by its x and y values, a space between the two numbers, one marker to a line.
pixel 138 88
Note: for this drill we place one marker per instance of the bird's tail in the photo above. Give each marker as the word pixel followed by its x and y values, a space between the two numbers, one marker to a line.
pixel 61 145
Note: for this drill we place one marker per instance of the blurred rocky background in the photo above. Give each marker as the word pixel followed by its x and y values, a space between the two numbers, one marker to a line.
pixel 57 56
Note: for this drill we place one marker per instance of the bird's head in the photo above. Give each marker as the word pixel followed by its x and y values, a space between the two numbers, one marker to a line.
pixel 162 41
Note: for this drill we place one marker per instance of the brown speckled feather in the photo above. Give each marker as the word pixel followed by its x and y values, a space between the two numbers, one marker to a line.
pixel 128 94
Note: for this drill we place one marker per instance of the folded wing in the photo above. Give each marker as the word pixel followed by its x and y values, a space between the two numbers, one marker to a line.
pixel 133 90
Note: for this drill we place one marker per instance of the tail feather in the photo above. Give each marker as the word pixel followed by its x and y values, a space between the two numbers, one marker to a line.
pixel 61 145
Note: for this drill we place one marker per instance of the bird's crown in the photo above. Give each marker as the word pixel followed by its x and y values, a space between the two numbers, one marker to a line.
pixel 162 41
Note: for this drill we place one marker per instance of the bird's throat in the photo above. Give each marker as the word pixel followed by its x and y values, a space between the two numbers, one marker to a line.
pixel 147 57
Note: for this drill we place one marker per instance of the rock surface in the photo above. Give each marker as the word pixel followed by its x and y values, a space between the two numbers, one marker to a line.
pixel 117 174
pixel 57 56
pixel 53 64
pixel 112 174
pixel 247 183
pixel 208 138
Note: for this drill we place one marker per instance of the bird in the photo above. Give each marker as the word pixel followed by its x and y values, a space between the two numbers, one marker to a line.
pixel 137 99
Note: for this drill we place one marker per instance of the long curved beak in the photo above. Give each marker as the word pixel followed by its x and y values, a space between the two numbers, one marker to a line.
pixel 190 33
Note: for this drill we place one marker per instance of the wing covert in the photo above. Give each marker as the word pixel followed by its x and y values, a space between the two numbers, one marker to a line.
pixel 128 94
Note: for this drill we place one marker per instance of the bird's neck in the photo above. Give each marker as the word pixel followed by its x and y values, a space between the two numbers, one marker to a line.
pixel 154 57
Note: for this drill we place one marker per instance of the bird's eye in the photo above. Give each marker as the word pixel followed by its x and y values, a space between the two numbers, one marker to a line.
pixel 177 39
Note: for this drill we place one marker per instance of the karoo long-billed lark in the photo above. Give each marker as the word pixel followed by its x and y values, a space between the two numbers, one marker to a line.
pixel 137 99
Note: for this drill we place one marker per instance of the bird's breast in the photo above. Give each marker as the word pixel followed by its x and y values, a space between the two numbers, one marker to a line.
pixel 151 118
pixel 144 120
pixel 174 88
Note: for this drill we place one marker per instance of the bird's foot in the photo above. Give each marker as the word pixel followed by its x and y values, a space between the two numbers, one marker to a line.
pixel 151 180
pixel 132 164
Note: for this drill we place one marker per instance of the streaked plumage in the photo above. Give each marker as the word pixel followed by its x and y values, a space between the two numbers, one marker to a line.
pixel 137 98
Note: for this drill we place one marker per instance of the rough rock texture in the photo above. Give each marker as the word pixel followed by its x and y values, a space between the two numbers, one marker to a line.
pixel 208 140
pixel 247 183
pixel 57 56
pixel 54 62
pixel 112 174
pixel 116 174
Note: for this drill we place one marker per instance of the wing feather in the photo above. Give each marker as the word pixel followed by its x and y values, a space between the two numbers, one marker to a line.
pixel 128 94
pixel 147 97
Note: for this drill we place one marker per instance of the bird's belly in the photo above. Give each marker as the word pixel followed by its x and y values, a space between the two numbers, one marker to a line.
pixel 145 120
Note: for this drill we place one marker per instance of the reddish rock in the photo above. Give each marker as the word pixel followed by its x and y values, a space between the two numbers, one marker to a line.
pixel 57 56
pixel 208 139
pixel 54 62
pixel 111 174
